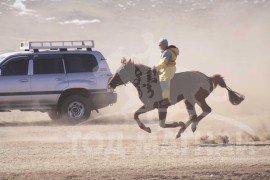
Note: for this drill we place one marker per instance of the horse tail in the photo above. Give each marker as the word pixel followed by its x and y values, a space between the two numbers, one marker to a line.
pixel 234 97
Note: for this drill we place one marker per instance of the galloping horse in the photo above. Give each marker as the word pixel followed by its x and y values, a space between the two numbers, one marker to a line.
pixel 191 86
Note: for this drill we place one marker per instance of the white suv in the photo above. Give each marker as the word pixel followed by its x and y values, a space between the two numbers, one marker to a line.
pixel 64 78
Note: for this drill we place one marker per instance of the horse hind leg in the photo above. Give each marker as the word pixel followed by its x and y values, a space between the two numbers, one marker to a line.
pixel 142 110
pixel 206 110
pixel 200 98
pixel 190 105
pixel 162 112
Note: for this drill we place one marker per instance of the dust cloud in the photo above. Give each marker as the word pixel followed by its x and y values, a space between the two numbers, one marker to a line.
pixel 230 38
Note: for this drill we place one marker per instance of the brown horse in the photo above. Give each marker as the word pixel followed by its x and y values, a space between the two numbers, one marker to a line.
pixel 192 86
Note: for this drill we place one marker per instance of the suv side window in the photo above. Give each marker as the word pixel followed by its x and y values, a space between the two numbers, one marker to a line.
pixel 48 66
pixel 16 67
pixel 76 63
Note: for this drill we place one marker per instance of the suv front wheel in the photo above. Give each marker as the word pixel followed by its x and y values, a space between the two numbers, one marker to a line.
pixel 75 109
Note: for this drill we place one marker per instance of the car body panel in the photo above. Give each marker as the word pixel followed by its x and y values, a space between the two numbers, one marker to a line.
pixel 42 91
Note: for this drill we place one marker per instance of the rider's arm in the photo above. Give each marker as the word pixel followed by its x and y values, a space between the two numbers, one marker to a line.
pixel 163 61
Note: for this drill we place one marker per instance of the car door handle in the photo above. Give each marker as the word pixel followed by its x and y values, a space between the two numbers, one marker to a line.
pixel 23 80
pixel 60 79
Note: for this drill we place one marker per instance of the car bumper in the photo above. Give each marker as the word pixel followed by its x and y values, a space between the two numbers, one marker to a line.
pixel 101 100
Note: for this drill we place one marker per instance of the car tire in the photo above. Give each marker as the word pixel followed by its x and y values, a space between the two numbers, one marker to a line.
pixel 75 109
pixel 54 115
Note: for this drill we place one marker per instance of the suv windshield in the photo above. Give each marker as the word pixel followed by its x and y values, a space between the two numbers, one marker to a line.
pixel 2 57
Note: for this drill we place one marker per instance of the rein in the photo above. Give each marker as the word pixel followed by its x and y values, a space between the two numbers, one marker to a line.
pixel 138 77
pixel 134 79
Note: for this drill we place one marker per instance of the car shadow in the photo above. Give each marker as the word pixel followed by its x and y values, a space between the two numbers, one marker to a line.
pixel 54 123
pixel 35 123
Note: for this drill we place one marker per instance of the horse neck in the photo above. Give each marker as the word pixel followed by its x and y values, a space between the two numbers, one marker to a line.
pixel 141 67
pixel 141 72
pixel 143 78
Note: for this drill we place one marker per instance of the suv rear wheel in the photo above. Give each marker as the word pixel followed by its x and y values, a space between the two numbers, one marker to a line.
pixel 75 109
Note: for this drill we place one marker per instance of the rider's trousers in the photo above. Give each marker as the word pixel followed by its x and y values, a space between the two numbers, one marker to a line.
pixel 165 76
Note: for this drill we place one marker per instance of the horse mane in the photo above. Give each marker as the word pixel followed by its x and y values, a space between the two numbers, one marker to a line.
pixel 138 65
pixel 142 66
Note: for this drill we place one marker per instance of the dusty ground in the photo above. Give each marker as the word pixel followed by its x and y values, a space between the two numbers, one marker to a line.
pixel 213 37
pixel 44 150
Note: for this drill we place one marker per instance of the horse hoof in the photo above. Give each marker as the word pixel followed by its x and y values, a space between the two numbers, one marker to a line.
pixel 178 136
pixel 182 129
pixel 193 127
pixel 147 129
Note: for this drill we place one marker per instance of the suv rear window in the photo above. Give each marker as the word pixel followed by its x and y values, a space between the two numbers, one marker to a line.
pixel 48 66
pixel 76 63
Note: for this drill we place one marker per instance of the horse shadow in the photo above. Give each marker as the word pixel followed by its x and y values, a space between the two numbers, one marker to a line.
pixel 251 144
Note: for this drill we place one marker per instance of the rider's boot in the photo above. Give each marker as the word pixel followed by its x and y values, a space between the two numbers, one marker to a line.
pixel 165 102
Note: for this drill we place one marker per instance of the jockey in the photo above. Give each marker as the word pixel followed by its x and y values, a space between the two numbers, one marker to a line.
pixel 166 66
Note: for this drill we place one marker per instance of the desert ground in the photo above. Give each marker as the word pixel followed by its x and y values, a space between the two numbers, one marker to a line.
pixel 227 37
pixel 117 149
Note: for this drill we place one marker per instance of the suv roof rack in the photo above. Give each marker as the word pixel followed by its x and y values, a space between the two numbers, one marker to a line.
pixel 57 45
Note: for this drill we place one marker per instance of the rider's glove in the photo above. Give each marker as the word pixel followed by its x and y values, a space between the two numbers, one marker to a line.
pixel 154 70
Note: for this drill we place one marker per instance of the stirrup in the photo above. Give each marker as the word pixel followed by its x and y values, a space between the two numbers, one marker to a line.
pixel 165 102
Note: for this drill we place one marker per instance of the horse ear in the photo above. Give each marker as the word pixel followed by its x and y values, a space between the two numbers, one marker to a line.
pixel 129 61
pixel 123 60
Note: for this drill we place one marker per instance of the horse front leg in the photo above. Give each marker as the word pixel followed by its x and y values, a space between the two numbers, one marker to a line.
pixel 142 110
pixel 162 112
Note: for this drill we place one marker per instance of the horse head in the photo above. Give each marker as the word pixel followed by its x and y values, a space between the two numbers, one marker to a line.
pixel 123 74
